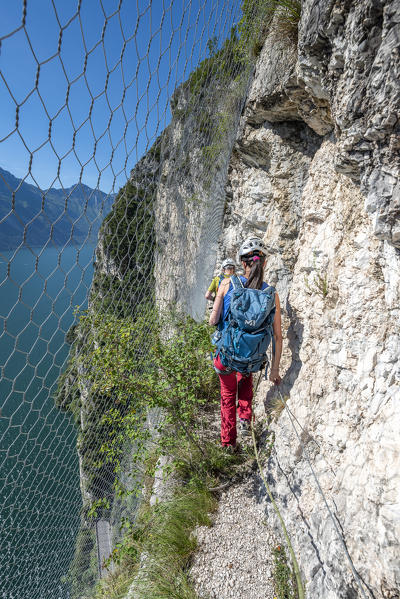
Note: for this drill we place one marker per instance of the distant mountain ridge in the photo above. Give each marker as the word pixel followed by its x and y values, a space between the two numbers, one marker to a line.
pixel 64 216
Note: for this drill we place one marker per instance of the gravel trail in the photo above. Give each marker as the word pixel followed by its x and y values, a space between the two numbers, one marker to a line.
pixel 234 557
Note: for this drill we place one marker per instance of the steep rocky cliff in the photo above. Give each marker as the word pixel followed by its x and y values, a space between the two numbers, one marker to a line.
pixel 196 151
pixel 315 171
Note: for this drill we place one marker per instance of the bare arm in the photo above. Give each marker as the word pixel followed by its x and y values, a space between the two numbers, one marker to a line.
pixel 219 302
pixel 277 328
pixel 209 295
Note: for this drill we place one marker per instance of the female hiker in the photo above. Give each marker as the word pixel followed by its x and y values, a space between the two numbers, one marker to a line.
pixel 252 254
pixel 227 269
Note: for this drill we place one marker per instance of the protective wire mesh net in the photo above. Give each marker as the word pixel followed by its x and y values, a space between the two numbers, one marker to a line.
pixel 87 94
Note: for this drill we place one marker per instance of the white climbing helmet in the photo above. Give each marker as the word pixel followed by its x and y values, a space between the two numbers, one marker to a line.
pixel 228 262
pixel 252 244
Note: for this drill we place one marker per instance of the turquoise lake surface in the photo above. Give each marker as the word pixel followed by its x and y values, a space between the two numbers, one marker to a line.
pixel 39 472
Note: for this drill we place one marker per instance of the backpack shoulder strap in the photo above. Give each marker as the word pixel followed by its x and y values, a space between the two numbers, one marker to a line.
pixel 236 282
pixel 270 288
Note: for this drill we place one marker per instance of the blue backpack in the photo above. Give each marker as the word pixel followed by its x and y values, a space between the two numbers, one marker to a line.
pixel 243 344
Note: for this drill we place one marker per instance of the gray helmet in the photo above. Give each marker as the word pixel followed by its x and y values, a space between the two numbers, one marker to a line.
pixel 252 244
pixel 228 262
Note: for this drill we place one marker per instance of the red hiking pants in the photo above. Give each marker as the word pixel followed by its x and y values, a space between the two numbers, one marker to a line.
pixel 230 383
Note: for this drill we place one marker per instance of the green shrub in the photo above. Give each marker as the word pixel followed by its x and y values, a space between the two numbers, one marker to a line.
pixel 130 365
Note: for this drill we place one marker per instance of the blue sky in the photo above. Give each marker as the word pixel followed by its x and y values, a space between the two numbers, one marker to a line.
pixel 143 49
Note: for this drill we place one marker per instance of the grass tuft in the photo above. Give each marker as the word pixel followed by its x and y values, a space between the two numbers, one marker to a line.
pixel 157 549
pixel 276 407
pixel 284 580
pixel 260 17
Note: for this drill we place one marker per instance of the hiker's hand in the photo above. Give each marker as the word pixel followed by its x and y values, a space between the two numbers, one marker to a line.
pixel 274 376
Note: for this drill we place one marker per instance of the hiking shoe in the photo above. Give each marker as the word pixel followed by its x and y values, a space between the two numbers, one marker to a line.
pixel 244 428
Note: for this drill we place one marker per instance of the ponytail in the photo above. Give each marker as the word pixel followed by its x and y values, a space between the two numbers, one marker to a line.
pixel 256 275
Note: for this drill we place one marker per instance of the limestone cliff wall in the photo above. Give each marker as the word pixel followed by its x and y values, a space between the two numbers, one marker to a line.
pixel 191 194
pixel 314 171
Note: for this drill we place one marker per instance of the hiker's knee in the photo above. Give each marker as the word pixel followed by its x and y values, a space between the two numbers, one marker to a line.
pixel 228 396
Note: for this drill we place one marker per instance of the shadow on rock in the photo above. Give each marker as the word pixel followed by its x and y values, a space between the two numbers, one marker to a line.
pixel 295 339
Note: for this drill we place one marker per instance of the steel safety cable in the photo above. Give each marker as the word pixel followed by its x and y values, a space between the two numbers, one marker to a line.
pixel 357 578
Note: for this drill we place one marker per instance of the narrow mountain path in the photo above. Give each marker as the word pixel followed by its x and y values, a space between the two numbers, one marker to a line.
pixel 234 557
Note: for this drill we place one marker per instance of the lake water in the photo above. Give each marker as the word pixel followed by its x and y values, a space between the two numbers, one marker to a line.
pixel 39 473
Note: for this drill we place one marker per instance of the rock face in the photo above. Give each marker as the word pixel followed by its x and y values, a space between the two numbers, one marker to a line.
pixel 191 193
pixel 315 172
pixel 349 56
pixel 341 381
